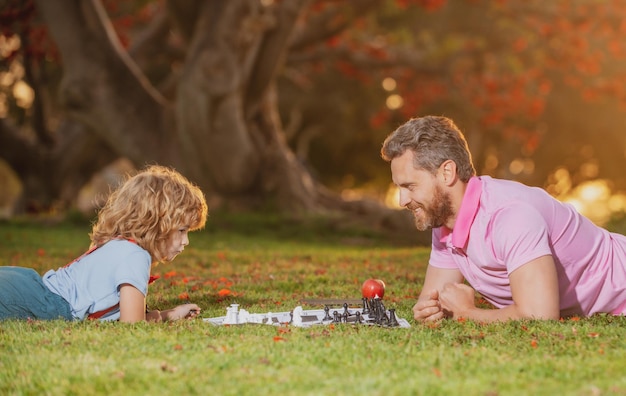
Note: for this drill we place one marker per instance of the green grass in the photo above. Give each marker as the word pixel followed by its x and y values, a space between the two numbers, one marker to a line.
pixel 268 263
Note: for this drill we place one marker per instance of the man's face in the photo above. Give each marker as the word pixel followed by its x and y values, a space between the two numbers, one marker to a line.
pixel 421 192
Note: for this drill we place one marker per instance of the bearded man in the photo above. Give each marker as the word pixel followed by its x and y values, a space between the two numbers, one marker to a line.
pixel 528 254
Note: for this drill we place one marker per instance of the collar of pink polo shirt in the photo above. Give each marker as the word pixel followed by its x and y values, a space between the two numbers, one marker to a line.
pixel 466 215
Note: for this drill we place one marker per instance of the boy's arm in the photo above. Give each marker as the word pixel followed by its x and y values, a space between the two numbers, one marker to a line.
pixel 132 304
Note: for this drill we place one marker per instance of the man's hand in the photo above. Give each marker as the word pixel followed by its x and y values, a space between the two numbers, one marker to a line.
pixel 428 309
pixel 457 300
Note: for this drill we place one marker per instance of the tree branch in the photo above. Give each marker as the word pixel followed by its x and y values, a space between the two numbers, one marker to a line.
pixel 102 86
pixel 150 40
pixel 271 53
pixel 185 14
pixel 330 22
pixel 396 58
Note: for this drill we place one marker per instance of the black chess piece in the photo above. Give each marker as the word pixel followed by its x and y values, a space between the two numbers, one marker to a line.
pixel 393 321
pixel 358 317
pixel 366 306
pixel 383 313
pixel 380 312
pixel 336 317
pixel 345 309
pixel 326 315
pixel 375 307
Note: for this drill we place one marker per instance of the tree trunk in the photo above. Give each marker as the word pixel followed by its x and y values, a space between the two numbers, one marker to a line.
pixel 222 127
pixel 225 102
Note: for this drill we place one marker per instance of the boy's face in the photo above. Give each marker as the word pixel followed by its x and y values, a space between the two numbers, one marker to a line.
pixel 176 242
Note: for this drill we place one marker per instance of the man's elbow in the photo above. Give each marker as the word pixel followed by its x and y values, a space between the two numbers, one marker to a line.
pixel 539 314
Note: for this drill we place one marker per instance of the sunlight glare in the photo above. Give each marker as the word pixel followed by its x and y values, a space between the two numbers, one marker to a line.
pixel 559 182
pixel 4 109
pixel 491 163
pixel 389 84
pixel 23 94
pixel 594 190
pixel 595 200
pixel 392 197
pixel 394 102
pixel 529 166
pixel 516 166
pixel 6 79
pixel 8 44
pixel 617 203
pixel 589 170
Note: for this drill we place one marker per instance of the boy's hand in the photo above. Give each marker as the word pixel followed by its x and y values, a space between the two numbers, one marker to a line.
pixel 188 311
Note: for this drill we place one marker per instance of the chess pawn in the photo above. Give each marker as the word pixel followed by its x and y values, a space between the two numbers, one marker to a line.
pixel 346 312
pixel 336 317
pixel 358 317
pixel 366 306
pixel 326 315
pixel 393 321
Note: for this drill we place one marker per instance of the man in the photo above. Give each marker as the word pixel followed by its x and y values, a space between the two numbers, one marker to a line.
pixel 526 253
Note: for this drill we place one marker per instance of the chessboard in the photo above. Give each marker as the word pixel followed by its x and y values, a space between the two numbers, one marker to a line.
pixel 372 313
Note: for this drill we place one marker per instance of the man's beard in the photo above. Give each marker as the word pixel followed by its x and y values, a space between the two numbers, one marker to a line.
pixel 436 215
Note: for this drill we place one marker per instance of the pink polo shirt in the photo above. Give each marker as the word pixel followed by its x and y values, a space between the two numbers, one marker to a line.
pixel 503 225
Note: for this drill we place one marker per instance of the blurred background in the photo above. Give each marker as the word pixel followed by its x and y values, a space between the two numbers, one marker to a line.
pixel 283 104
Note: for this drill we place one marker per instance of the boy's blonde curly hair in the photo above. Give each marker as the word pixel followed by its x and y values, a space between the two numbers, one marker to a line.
pixel 148 207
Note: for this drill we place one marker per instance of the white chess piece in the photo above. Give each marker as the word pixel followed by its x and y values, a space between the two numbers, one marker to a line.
pixel 232 314
pixel 296 319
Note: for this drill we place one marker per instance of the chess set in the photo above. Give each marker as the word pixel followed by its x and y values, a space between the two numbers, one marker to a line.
pixel 372 312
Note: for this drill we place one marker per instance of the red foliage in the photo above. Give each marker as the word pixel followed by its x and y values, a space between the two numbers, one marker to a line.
pixel 503 77
pixel 17 18
pixel 431 5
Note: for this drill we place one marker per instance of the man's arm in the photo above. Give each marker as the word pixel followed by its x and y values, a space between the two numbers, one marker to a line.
pixel 427 307
pixel 534 288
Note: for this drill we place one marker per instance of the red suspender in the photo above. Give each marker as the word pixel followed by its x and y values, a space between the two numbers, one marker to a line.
pixel 81 256
pixel 99 314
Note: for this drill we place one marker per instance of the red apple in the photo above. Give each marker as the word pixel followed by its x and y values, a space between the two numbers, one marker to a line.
pixel 373 288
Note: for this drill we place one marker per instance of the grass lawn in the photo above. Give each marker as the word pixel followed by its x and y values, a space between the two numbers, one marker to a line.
pixel 268 264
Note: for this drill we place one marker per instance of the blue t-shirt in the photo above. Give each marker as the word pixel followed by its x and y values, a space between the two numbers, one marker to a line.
pixel 92 283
